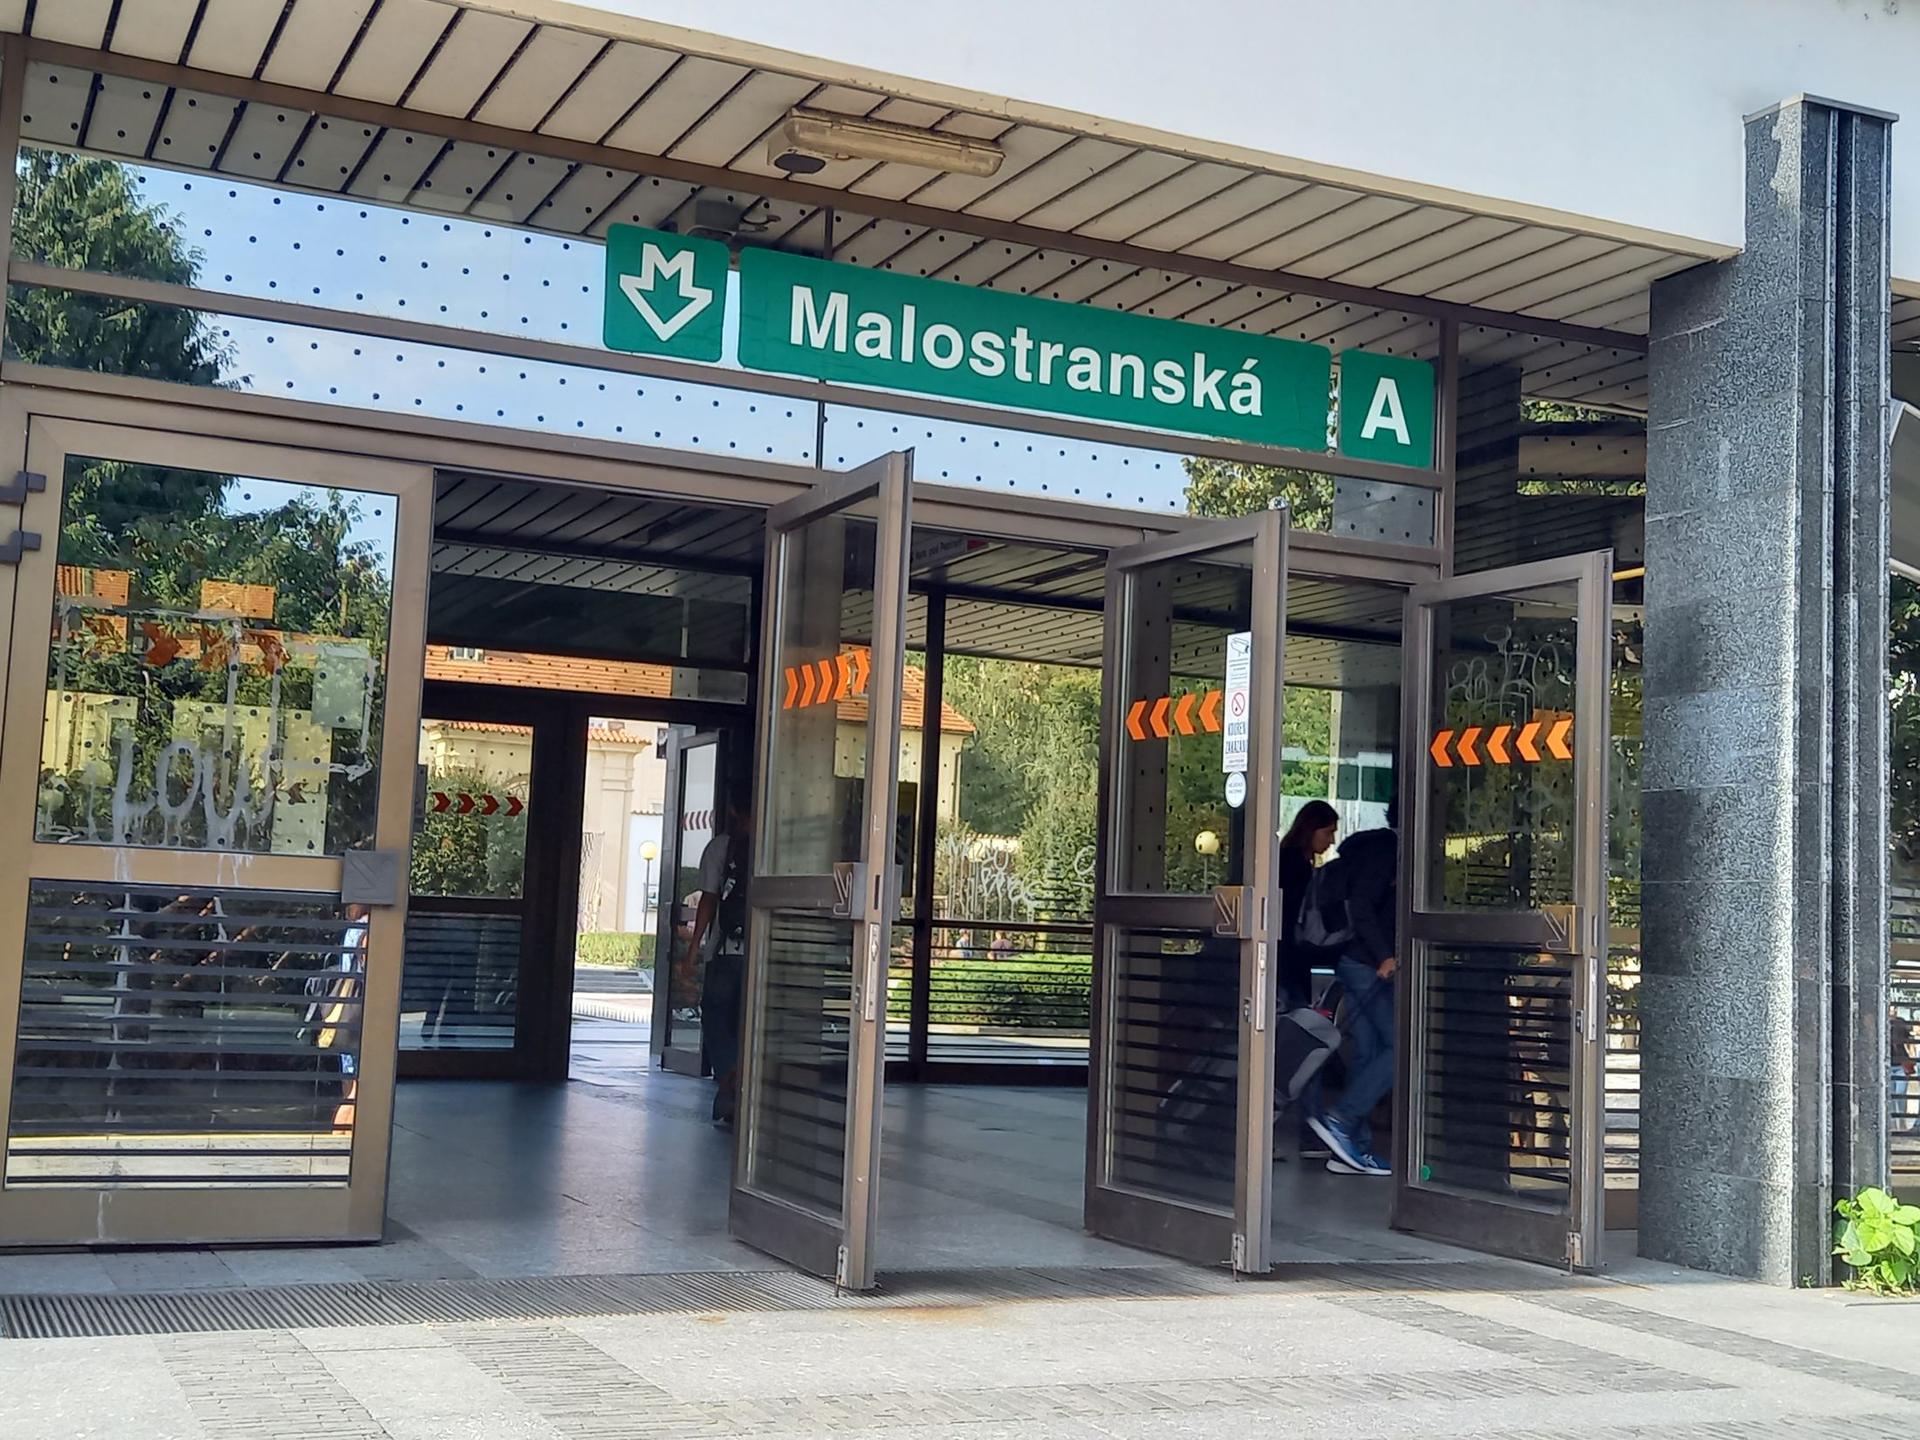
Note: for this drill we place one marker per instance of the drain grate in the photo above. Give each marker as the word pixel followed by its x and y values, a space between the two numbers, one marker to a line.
pixel 443 1302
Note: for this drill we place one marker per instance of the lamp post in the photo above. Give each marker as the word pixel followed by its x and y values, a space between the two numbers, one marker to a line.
pixel 649 852
pixel 1206 845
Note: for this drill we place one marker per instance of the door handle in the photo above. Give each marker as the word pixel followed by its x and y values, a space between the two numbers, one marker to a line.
pixel 870 987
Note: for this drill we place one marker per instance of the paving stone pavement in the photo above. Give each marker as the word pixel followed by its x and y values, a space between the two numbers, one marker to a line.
pixel 1469 1350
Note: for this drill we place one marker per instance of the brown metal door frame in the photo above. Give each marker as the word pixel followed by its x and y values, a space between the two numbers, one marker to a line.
pixel 837 1247
pixel 149 435
pixel 1240 1237
pixel 1573 1234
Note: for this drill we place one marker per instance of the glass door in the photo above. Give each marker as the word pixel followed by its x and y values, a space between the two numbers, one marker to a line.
pixel 691 819
pixel 1187 912
pixel 1504 1001
pixel 206 790
pixel 825 883
pixel 472 923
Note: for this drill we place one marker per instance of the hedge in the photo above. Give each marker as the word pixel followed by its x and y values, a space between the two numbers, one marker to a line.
pixel 626 950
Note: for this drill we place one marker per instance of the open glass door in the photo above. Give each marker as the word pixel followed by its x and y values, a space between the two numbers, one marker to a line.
pixel 206 789
pixel 691 818
pixel 825 885
pixel 1187 910
pixel 1503 1004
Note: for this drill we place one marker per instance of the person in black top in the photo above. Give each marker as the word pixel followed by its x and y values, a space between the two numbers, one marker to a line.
pixel 1307 840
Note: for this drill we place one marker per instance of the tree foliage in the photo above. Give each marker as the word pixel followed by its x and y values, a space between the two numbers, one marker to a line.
pixel 168 530
pixel 1234 487
pixel 85 213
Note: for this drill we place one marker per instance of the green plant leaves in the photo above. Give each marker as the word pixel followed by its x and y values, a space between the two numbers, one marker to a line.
pixel 1877 1237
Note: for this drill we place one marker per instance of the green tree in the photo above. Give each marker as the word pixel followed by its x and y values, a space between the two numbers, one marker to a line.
pixel 1235 487
pixel 469 854
pixel 84 213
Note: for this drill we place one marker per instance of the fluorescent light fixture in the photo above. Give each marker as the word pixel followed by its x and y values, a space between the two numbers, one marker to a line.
pixel 806 140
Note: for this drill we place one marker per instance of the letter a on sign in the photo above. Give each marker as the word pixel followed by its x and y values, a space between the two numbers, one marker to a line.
pixel 1386 408
pixel 666 294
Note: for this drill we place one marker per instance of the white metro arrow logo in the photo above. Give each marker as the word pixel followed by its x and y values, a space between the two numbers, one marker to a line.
pixel 656 266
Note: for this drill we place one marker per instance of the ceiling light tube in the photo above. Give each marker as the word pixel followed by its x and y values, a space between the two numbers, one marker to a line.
pixel 806 140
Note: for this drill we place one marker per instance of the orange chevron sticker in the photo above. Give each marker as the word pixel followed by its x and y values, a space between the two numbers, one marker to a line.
pixel 1529 733
pixel 1468 738
pixel 1497 745
pixel 1210 711
pixel 1439 750
pixel 1557 739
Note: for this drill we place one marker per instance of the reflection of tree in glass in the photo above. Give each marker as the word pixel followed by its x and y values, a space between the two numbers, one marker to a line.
pixel 87 214
pixel 223 705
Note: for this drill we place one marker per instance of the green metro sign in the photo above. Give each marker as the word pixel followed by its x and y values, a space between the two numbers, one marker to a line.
pixel 666 294
pixel 856 326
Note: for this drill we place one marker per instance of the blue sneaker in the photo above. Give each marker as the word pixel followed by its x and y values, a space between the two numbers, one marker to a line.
pixel 1371 1164
pixel 1341 1144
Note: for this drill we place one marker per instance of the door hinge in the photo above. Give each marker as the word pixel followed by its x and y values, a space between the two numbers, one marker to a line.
pixel 1239 1251
pixel 1576 1251
pixel 26 482
pixel 840 1269
pixel 17 544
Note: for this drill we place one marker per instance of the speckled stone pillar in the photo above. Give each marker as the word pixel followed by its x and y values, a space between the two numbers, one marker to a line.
pixel 1763 1002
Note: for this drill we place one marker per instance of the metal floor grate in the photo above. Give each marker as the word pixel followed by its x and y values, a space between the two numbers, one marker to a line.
pixel 296 1307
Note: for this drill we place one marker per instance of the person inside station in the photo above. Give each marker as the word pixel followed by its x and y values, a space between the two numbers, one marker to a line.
pixel 1369 961
pixel 717 936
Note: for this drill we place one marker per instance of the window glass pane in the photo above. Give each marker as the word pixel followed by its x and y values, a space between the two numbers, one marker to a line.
pixel 216 678
pixel 1501 743
pixel 1175 832
pixel 815 787
pixel 472 836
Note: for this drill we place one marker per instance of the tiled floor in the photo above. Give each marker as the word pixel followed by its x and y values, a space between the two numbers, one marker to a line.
pixel 621 1172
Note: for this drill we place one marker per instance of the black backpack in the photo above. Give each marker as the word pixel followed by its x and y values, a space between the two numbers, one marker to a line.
pixel 1325 921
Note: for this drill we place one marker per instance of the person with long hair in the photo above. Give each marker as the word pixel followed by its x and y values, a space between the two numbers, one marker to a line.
pixel 1302 848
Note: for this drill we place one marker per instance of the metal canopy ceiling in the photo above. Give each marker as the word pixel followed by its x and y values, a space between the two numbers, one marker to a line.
pixel 515 557
pixel 638 134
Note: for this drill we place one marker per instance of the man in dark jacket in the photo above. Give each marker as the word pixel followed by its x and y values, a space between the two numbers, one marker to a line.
pixel 1371 865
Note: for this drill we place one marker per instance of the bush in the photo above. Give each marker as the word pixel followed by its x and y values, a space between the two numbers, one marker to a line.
pixel 1876 1237
pixel 622 949
pixel 1049 994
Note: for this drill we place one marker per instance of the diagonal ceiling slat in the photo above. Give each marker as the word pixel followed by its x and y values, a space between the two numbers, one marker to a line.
pixel 602 96
pixel 313 42
pixel 542 71
pixel 471 56
pixel 73 22
pixel 393 48
pixel 155 29
pixel 1100 193
pixel 739 119
pixel 233 35
pixel 676 102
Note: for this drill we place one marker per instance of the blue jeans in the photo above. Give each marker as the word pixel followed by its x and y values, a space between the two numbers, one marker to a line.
pixel 1370 1020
